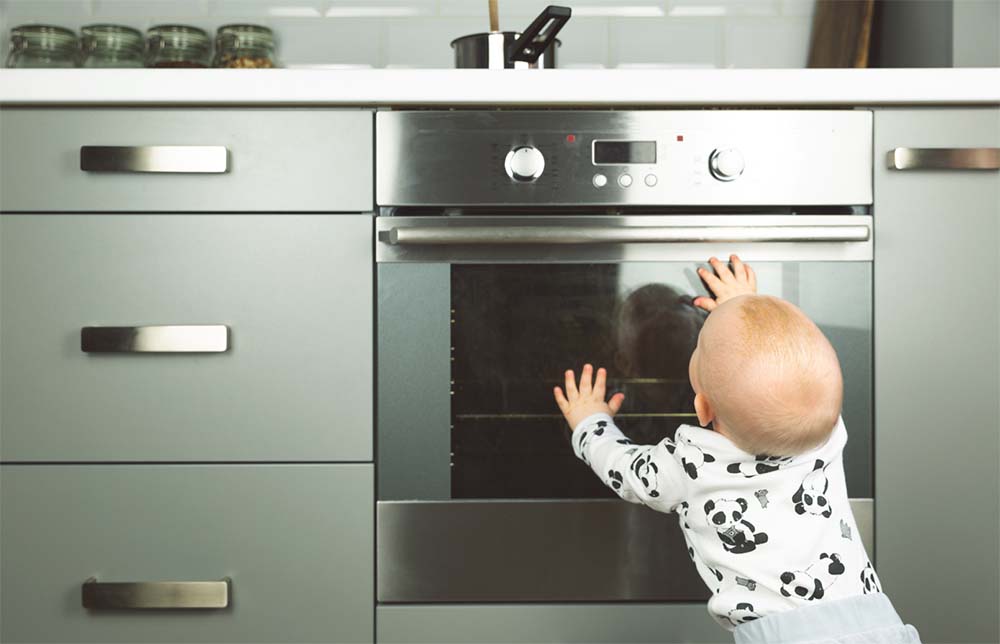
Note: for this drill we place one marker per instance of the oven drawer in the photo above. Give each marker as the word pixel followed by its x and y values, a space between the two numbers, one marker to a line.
pixel 294 542
pixel 233 160
pixel 283 371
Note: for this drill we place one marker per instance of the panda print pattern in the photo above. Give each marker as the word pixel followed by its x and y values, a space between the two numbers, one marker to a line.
pixel 811 495
pixel 869 580
pixel 742 614
pixel 813 582
pixel 647 471
pixel 738 535
pixel 761 464
pixel 765 534
pixel 690 455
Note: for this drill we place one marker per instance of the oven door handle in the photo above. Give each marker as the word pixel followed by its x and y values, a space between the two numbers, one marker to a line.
pixel 598 235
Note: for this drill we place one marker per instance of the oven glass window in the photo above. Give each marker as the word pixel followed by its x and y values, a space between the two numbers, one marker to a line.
pixel 493 431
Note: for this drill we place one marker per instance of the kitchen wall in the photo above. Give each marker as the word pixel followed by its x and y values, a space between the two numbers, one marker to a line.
pixel 416 33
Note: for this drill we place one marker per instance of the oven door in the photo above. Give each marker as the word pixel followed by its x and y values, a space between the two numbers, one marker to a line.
pixel 480 498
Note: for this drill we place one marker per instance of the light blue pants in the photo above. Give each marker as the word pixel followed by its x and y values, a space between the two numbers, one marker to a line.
pixel 864 619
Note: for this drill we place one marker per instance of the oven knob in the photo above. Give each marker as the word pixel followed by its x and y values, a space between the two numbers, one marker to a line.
pixel 726 165
pixel 524 163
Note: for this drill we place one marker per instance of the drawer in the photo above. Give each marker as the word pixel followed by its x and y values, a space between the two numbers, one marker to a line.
pixel 231 160
pixel 295 292
pixel 295 541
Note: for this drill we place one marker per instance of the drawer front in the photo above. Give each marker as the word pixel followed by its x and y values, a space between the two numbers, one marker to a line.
pixel 295 292
pixel 274 160
pixel 295 540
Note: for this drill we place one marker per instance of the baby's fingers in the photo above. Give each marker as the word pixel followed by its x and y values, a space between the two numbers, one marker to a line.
pixel 561 400
pixel 616 403
pixel 571 392
pixel 752 278
pixel 713 282
pixel 725 275
pixel 739 268
pixel 585 377
pixel 706 303
pixel 599 383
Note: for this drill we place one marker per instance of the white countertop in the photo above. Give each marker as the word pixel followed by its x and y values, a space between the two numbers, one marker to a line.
pixel 573 87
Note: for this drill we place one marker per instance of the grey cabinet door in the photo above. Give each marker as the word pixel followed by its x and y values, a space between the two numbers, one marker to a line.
pixel 275 160
pixel 295 291
pixel 937 235
pixel 295 540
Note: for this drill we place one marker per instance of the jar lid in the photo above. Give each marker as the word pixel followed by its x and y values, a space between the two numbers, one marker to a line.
pixel 179 36
pixel 44 36
pixel 244 35
pixel 104 36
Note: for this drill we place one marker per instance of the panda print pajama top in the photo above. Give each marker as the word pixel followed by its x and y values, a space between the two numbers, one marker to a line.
pixel 766 534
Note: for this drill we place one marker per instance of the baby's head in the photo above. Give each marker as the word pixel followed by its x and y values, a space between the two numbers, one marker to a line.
pixel 766 376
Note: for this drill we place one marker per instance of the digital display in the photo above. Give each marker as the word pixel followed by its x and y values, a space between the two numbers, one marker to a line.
pixel 613 152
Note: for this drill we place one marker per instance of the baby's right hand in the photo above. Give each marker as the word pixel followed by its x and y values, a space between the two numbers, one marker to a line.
pixel 726 284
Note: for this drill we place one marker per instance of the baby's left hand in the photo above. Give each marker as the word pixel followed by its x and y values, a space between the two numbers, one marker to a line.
pixel 577 404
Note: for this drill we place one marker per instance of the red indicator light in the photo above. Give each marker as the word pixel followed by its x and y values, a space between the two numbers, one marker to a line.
pixel 680 137
pixel 570 138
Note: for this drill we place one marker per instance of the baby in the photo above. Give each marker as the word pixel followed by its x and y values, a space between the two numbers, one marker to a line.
pixel 761 496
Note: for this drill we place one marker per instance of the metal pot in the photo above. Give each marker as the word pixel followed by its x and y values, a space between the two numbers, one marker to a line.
pixel 534 48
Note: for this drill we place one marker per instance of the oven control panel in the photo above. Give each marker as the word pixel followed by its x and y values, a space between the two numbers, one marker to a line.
pixel 627 158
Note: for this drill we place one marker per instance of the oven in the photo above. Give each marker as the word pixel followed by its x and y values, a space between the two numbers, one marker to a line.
pixel 513 245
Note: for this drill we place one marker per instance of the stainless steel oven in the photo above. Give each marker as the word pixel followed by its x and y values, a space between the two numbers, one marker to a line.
pixel 512 245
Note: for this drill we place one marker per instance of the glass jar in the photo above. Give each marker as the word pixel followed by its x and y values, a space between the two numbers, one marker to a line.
pixel 244 46
pixel 177 46
pixel 42 46
pixel 111 46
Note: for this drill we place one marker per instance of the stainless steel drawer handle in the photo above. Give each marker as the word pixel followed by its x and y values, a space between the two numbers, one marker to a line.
pixel 944 159
pixel 199 159
pixel 510 235
pixel 176 595
pixel 194 338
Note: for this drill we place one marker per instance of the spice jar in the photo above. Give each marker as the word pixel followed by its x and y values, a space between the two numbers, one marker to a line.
pixel 244 46
pixel 42 46
pixel 177 46
pixel 111 46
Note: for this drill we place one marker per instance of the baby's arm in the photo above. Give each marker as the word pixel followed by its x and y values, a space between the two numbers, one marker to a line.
pixel 646 474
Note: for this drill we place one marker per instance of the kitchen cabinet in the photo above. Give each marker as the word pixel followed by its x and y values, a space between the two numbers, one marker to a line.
pixel 294 384
pixel 186 160
pixel 471 624
pixel 937 333
pixel 294 541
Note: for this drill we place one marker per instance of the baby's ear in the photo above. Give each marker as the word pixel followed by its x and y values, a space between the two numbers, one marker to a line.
pixel 703 409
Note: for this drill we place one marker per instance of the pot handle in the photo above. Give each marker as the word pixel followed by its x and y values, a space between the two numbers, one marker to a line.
pixel 534 41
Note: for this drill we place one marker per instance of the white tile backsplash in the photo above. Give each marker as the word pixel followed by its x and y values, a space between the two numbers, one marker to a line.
pixel 694 8
pixel 417 33
pixel 425 42
pixel 755 42
pixel 674 42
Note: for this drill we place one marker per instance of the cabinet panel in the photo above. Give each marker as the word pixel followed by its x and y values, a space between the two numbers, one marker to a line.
pixel 937 358
pixel 295 383
pixel 598 623
pixel 282 160
pixel 295 540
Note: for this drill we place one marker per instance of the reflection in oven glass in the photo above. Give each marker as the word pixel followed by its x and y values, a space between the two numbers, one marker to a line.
pixel 516 328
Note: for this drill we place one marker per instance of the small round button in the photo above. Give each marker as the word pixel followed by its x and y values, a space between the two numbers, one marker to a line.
pixel 650 180
pixel 600 180
pixel 625 180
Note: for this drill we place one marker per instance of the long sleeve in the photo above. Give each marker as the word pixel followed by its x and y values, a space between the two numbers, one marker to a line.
pixel 647 474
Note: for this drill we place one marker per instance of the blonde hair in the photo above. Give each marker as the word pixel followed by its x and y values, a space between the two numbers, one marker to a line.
pixel 774 382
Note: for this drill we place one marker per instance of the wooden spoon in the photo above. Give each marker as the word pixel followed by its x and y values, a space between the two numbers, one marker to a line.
pixel 494 17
